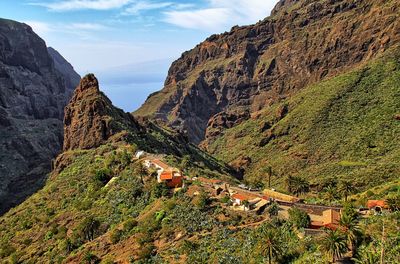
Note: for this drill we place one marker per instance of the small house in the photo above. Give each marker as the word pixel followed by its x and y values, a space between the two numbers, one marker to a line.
pixel 377 205
pixel 172 179
pixel 238 198
pixel 329 219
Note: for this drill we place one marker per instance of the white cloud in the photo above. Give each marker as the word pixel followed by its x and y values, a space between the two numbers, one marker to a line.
pixel 137 7
pixel 87 26
pixel 40 28
pixel 204 19
pixel 82 30
pixel 221 14
pixel 68 5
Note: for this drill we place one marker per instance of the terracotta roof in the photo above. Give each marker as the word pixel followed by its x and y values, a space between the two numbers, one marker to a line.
pixel 160 163
pixel 167 175
pixel 375 203
pixel 240 197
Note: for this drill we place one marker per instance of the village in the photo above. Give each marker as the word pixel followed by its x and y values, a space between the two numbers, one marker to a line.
pixel 253 201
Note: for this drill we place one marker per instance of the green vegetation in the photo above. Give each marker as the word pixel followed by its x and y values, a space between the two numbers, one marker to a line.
pixel 339 129
pixel 299 218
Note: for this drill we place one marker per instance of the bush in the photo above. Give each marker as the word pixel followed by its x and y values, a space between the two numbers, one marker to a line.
pixel 129 225
pixel 6 250
pixel 90 258
pixel 115 236
pixel 299 218
pixel 103 176
pixel 203 200
pixel 160 190
pixel 87 229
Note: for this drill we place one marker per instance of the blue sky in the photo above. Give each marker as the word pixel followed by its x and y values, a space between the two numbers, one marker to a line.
pixel 129 44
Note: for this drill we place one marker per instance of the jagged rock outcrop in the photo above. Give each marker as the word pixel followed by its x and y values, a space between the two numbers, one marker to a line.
pixel 251 67
pixel 91 119
pixel 33 94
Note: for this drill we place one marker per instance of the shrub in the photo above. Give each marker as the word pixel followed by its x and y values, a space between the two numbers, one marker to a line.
pixel 90 258
pixel 115 236
pixel 299 218
pixel 6 250
pixel 88 228
pixel 129 225
pixel 203 200
pixel 159 190
pixel 103 176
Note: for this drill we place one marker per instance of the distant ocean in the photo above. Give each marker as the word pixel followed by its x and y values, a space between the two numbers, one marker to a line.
pixel 130 96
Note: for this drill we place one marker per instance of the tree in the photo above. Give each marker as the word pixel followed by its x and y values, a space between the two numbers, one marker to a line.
pixel 203 200
pixel 246 205
pixel 346 188
pixel 299 218
pixel 393 202
pixel 333 243
pixel 349 227
pixel 367 257
pixel 269 246
pixel 297 185
pixel 139 170
pixel 273 209
pixel 268 170
pixel 330 193
pixel 88 228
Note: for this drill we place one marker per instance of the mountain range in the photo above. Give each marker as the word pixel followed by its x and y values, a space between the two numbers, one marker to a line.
pixel 305 102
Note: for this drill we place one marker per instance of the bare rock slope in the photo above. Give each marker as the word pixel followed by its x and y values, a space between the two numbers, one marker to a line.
pixel 229 77
pixel 33 94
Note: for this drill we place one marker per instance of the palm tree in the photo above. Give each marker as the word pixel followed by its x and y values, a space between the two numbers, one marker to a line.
pixel 268 170
pixel 330 193
pixel 269 245
pixel 273 209
pixel 246 205
pixel 367 258
pixel 346 188
pixel 297 185
pixel 333 243
pixel 393 202
pixel 349 227
pixel 300 186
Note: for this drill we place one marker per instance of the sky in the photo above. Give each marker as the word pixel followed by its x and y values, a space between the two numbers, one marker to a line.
pixel 130 44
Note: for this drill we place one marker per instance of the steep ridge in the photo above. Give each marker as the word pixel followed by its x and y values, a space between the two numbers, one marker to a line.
pixel 90 118
pixel 228 77
pixel 343 128
pixel 91 121
pixel 33 95
pixel 97 178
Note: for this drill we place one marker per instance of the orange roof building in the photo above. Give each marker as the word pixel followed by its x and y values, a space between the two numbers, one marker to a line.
pixel 330 219
pixel 240 197
pixel 173 179
pixel 371 204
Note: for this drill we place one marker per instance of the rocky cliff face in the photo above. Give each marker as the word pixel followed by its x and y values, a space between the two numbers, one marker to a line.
pixel 91 119
pixel 33 94
pixel 65 68
pixel 234 75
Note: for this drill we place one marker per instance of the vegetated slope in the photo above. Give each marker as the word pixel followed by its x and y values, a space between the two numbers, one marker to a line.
pixel 346 127
pixel 97 185
pixel 33 93
pixel 220 82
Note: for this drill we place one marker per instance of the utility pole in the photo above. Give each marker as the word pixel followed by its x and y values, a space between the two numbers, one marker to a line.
pixel 383 244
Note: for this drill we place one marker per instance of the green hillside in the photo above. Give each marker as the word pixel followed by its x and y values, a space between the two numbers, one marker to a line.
pixel 346 127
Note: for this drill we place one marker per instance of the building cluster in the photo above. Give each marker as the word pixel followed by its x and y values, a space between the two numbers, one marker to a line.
pixel 246 200
pixel 171 176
